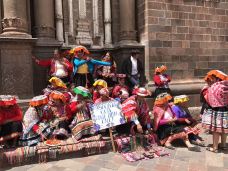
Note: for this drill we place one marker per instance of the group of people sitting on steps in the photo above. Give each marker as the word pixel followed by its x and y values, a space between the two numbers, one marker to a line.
pixel 78 81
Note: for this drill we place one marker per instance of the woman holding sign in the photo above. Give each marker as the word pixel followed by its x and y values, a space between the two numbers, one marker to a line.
pixel 136 109
pixel 104 93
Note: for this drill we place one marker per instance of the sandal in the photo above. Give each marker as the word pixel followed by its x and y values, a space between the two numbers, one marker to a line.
pixel 170 147
pixel 194 148
pixel 212 149
pixel 148 155
pixel 197 143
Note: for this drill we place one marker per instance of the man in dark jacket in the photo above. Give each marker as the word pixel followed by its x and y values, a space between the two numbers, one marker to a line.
pixel 134 70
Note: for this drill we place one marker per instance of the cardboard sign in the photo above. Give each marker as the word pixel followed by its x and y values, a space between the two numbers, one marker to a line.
pixel 107 114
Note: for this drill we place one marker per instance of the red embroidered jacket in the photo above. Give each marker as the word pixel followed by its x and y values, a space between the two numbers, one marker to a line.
pixel 51 63
pixel 10 114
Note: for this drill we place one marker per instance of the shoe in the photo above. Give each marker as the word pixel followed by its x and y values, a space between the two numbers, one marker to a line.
pixel 222 147
pixel 194 148
pixel 169 147
pixel 212 149
pixel 197 143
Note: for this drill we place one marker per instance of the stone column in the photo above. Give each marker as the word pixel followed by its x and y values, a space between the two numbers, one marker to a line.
pixel 15 20
pixel 127 22
pixel 44 19
pixel 107 22
pixel 59 20
pixel 83 27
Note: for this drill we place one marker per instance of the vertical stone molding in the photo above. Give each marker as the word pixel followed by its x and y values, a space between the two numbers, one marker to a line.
pixel 44 18
pixel 59 20
pixel 15 20
pixel 70 13
pixel 107 22
pixel 127 21
pixel 95 18
pixel 83 27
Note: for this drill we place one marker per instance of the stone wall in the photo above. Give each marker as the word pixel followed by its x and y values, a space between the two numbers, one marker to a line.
pixel 189 36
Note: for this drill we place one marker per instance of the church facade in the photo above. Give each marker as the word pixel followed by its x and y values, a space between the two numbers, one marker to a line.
pixel 189 36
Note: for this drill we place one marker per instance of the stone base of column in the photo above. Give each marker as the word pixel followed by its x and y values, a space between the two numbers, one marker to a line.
pixel 16 71
pixel 128 42
pixel 15 34
pixel 128 38
pixel 14 27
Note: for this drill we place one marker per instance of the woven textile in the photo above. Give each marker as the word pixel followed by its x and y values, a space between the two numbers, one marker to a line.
pixel 139 147
pixel 90 145
pixel 216 121
pixel 217 95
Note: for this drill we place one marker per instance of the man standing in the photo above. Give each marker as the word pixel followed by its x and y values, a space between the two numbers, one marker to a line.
pixel 133 69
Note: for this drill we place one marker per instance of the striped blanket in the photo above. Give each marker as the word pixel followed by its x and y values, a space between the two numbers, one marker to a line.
pixel 91 145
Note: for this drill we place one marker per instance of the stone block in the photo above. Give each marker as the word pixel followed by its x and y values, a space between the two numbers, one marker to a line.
pixel 156 5
pixel 178 36
pixel 163 36
pixel 182 29
pixel 167 43
pixel 194 44
pixel 201 72
pixel 177 22
pixel 155 43
pixel 177 66
pixel 156 13
pixel 158 28
pixel 204 23
pixel 152 20
pixel 176 43
pixel 184 15
pixel 220 11
pixel 201 65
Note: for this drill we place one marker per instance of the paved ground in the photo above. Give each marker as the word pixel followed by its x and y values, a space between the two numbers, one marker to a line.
pixel 179 160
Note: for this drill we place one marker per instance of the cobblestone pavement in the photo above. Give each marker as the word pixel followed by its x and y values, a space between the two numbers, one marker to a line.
pixel 179 160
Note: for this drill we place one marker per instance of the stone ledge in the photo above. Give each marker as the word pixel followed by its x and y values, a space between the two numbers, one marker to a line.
pixel 187 87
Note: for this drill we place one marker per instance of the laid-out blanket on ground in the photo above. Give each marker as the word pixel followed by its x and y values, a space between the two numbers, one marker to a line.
pixel 139 147
pixel 88 146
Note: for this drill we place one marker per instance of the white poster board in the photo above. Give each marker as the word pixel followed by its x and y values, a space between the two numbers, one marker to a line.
pixel 107 114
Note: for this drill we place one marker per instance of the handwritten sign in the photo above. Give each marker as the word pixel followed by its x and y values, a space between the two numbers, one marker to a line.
pixel 107 114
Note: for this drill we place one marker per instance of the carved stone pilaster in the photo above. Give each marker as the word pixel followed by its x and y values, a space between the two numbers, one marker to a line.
pixel 83 33
pixel 83 36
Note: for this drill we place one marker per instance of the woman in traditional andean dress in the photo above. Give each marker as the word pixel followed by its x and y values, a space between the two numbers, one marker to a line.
pixel 215 118
pixel 165 124
pixel 184 117
pixel 10 120
pixel 36 122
